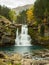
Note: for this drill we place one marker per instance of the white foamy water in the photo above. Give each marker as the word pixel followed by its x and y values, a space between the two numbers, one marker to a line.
pixel 23 39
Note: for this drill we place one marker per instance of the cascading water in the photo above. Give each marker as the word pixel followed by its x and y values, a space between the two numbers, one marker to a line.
pixel 23 39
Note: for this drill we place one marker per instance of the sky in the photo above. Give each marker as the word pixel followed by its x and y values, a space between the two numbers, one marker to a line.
pixel 16 3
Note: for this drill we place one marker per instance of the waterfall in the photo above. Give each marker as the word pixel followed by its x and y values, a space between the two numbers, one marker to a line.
pixel 23 39
pixel 17 33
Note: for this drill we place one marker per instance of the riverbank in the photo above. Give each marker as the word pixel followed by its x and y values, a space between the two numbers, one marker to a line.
pixel 39 57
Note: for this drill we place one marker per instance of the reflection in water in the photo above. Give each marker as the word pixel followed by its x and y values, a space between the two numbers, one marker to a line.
pixel 23 39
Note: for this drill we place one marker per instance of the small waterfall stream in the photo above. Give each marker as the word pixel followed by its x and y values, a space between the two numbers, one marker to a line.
pixel 22 43
pixel 23 39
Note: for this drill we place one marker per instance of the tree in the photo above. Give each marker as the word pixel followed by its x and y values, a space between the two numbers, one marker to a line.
pixel 29 15
pixel 4 11
pixel 41 10
pixel 21 18
pixel 12 15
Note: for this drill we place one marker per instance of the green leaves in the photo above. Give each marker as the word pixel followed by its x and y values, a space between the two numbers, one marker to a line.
pixel 21 18
pixel 12 15
pixel 4 11
pixel 41 9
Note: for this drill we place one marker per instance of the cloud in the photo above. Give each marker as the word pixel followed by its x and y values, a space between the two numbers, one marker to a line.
pixel 15 3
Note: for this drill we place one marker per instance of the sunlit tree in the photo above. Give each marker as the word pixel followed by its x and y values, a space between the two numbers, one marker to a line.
pixel 29 14
pixel 12 15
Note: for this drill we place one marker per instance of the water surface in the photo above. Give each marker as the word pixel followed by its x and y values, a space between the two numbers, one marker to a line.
pixel 21 49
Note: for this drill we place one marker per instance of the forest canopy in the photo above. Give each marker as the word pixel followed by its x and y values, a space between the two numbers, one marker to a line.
pixel 41 10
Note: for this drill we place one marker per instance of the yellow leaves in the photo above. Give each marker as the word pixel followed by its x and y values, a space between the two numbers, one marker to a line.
pixel 29 14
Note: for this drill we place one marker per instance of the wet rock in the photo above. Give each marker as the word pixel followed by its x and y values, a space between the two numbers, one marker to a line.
pixel 26 62
pixel 27 56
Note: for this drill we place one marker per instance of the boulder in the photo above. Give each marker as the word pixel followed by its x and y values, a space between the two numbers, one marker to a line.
pixel 16 57
pixel 2 55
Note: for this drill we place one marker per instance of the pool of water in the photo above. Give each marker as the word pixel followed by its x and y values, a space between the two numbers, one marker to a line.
pixel 20 49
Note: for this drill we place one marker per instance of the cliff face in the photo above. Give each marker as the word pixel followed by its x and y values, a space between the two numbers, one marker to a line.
pixel 7 32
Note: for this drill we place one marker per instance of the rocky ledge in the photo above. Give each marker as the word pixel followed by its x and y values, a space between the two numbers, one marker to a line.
pixel 7 32
pixel 25 59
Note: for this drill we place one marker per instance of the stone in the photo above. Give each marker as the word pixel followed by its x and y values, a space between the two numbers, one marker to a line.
pixel 2 55
pixel 7 32
pixel 16 57
pixel 16 62
pixel 47 64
